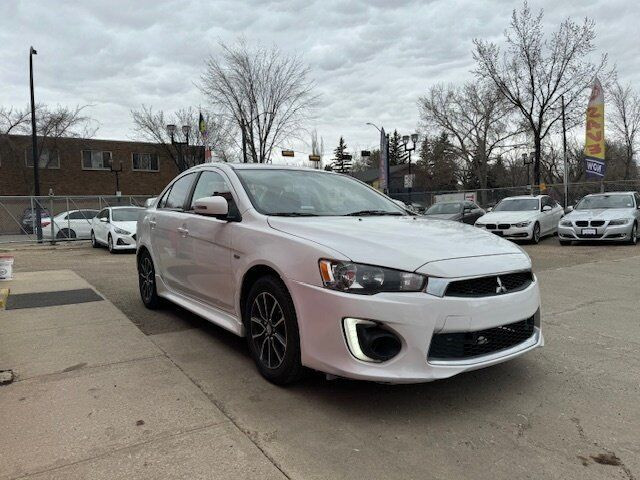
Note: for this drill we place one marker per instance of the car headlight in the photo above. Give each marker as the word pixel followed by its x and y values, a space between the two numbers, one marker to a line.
pixel 619 221
pixel 120 231
pixel 368 279
pixel 565 223
pixel 522 224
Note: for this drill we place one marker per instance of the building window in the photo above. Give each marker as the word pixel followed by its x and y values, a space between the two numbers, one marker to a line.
pixel 145 162
pixel 48 158
pixel 96 160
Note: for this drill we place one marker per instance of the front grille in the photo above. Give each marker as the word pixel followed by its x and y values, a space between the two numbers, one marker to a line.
pixel 504 226
pixel 489 286
pixel 463 345
pixel 597 223
pixel 491 226
pixel 582 223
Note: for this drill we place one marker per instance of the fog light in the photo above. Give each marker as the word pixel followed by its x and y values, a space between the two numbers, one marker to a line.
pixel 370 342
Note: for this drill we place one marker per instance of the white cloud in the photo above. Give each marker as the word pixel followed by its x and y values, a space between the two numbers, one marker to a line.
pixel 371 60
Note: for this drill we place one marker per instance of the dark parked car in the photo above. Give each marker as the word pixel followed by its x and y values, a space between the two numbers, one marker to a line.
pixel 462 211
pixel 28 219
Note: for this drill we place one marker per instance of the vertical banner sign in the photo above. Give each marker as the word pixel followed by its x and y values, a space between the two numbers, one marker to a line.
pixel 594 140
pixel 383 181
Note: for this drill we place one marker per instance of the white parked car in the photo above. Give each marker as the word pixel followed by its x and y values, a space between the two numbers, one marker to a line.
pixel 523 218
pixel 115 227
pixel 613 216
pixel 319 270
pixel 74 224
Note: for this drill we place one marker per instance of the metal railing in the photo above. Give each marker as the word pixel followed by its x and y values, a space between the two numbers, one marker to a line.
pixel 491 196
pixel 62 217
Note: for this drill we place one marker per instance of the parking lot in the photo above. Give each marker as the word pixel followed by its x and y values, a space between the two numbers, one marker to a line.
pixel 568 410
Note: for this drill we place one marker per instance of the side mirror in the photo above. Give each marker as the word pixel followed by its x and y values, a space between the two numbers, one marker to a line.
pixel 489 209
pixel 569 209
pixel 400 203
pixel 149 202
pixel 104 220
pixel 547 208
pixel 216 206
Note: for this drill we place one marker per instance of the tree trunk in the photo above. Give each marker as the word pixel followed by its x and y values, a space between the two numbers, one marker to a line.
pixel 536 162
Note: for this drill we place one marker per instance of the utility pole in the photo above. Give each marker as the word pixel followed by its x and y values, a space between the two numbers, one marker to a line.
pixel 564 156
pixel 34 149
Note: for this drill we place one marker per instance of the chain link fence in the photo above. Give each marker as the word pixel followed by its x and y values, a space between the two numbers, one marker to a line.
pixel 61 218
pixel 491 196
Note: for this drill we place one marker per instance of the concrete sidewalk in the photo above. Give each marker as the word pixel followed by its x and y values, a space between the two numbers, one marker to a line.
pixel 93 397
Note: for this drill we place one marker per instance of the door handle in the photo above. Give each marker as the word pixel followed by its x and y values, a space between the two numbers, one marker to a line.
pixel 152 223
pixel 183 231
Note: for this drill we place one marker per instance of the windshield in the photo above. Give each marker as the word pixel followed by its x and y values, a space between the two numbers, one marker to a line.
pixel 312 193
pixel 444 208
pixel 605 201
pixel 517 205
pixel 125 214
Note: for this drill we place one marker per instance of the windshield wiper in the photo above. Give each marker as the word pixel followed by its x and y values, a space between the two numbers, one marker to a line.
pixel 293 214
pixel 372 213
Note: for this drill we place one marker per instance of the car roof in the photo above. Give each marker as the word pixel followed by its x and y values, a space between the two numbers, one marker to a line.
pixel 122 206
pixel 609 194
pixel 254 166
pixel 518 197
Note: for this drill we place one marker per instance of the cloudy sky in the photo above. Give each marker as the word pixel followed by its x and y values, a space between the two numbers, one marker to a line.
pixel 371 60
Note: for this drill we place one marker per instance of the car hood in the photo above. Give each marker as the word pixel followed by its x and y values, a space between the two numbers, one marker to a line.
pixel 405 243
pixel 128 226
pixel 600 214
pixel 444 216
pixel 508 217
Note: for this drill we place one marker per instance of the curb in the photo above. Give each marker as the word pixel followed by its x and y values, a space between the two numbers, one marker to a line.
pixel 4 295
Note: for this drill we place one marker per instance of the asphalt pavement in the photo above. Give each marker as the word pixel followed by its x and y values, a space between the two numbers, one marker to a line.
pixel 569 410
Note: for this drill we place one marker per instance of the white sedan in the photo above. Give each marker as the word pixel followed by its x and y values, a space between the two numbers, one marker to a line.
pixel 71 225
pixel 116 228
pixel 523 218
pixel 319 270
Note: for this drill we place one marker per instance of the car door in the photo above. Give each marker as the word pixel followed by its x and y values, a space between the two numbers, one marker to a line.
pixel 99 225
pixel 83 223
pixel 547 217
pixel 167 234
pixel 209 244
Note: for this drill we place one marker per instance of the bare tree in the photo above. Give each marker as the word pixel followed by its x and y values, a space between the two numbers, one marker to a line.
pixel 534 72
pixel 267 94
pixel 13 120
pixel 625 121
pixel 152 126
pixel 476 119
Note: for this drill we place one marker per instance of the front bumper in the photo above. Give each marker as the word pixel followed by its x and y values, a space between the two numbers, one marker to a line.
pixel 615 233
pixel 512 233
pixel 124 242
pixel 415 318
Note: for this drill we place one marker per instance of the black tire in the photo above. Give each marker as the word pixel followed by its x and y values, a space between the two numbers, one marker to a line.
pixel 94 242
pixel 147 281
pixel 634 235
pixel 272 331
pixel 110 244
pixel 565 243
pixel 535 236
pixel 65 233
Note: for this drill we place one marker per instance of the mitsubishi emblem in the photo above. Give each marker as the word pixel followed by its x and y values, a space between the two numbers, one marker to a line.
pixel 500 288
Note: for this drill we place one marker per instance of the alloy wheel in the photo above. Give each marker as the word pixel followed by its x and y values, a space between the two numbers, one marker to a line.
pixel 268 330
pixel 147 278
pixel 536 233
pixel 110 243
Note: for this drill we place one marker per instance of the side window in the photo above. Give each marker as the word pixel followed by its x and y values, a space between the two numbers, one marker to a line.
pixel 163 201
pixel 102 214
pixel 179 191
pixel 213 183
pixel 637 195
pixel 75 215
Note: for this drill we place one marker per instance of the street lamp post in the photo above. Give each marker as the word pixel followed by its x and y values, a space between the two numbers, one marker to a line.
pixel 34 148
pixel 388 189
pixel 186 129
pixel 405 141
pixel 117 172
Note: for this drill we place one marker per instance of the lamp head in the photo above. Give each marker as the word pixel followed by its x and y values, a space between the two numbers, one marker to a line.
pixel 171 129
pixel 414 137
pixel 405 139
pixel 186 129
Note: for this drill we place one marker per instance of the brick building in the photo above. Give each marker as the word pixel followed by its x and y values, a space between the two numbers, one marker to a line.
pixel 81 166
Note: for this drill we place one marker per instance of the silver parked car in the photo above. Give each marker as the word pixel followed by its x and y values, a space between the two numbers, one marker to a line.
pixel 604 216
